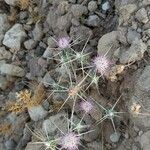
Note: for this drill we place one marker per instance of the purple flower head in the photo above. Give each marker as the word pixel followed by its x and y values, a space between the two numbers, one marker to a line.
pixel 86 106
pixel 102 64
pixel 64 42
pixel 70 141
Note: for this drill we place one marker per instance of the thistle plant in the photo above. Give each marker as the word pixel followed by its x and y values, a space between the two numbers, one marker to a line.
pixel 79 70
pixel 109 113
pixel 50 144
pixel 69 140
pixel 72 139
pixel 74 88
pixel 66 55
pixel 101 64
pixel 63 42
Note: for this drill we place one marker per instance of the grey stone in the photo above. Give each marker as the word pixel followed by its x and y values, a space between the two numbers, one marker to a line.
pixel 93 135
pixel 147 32
pixel 11 2
pixel 52 18
pixel 126 11
pixel 141 15
pixel 95 145
pixel 106 6
pixel 134 53
pixel 93 20
pixel 23 15
pixel 37 32
pixel 108 42
pixel 146 2
pixel 37 113
pixel 29 44
pixel 48 53
pixel 122 33
pixel 4 54
pixel 81 32
pixel 114 137
pixel 144 80
pixel 64 22
pixel 52 125
pixel 78 10
pixel 4 25
pixel 25 139
pixel 10 144
pixel 92 6
pixel 75 22
pixel 48 80
pixel 63 7
pixel 12 70
pixel 33 146
pixel 132 35
pixel 145 141
pixel 141 97
pixel 3 82
pixel 51 42
pixel 120 3
pixel 2 147
pixel 14 37
pixel 72 1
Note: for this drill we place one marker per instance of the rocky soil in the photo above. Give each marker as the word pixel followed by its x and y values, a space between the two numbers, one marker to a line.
pixel 29 65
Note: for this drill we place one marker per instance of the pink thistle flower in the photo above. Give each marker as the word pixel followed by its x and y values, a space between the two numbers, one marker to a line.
pixel 70 141
pixel 64 42
pixel 102 64
pixel 86 106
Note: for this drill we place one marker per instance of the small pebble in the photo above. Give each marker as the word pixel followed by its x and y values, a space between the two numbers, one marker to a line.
pixel 92 6
pixel 140 133
pixel 105 6
pixel 115 137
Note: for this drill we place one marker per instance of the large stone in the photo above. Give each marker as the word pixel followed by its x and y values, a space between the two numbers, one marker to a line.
pixel 141 15
pixel 120 3
pixel 93 20
pixel 134 53
pixel 141 97
pixel 3 83
pixel 146 2
pixel 29 44
pixel 107 43
pixel 48 80
pixel 80 32
pixel 4 25
pixel 48 53
pixel 63 7
pixel 144 81
pixel 10 144
pixel 14 37
pixel 12 70
pixel 11 2
pixel 78 10
pixel 92 6
pixel 33 146
pixel 64 22
pixel 4 54
pixel 54 124
pixel 37 32
pixel 51 19
pixel 122 32
pixel 37 112
pixel 126 11
pixel 145 141
pixel 96 145
pixel 132 35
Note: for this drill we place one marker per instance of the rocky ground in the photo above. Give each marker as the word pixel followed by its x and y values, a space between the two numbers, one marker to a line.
pixel 31 112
